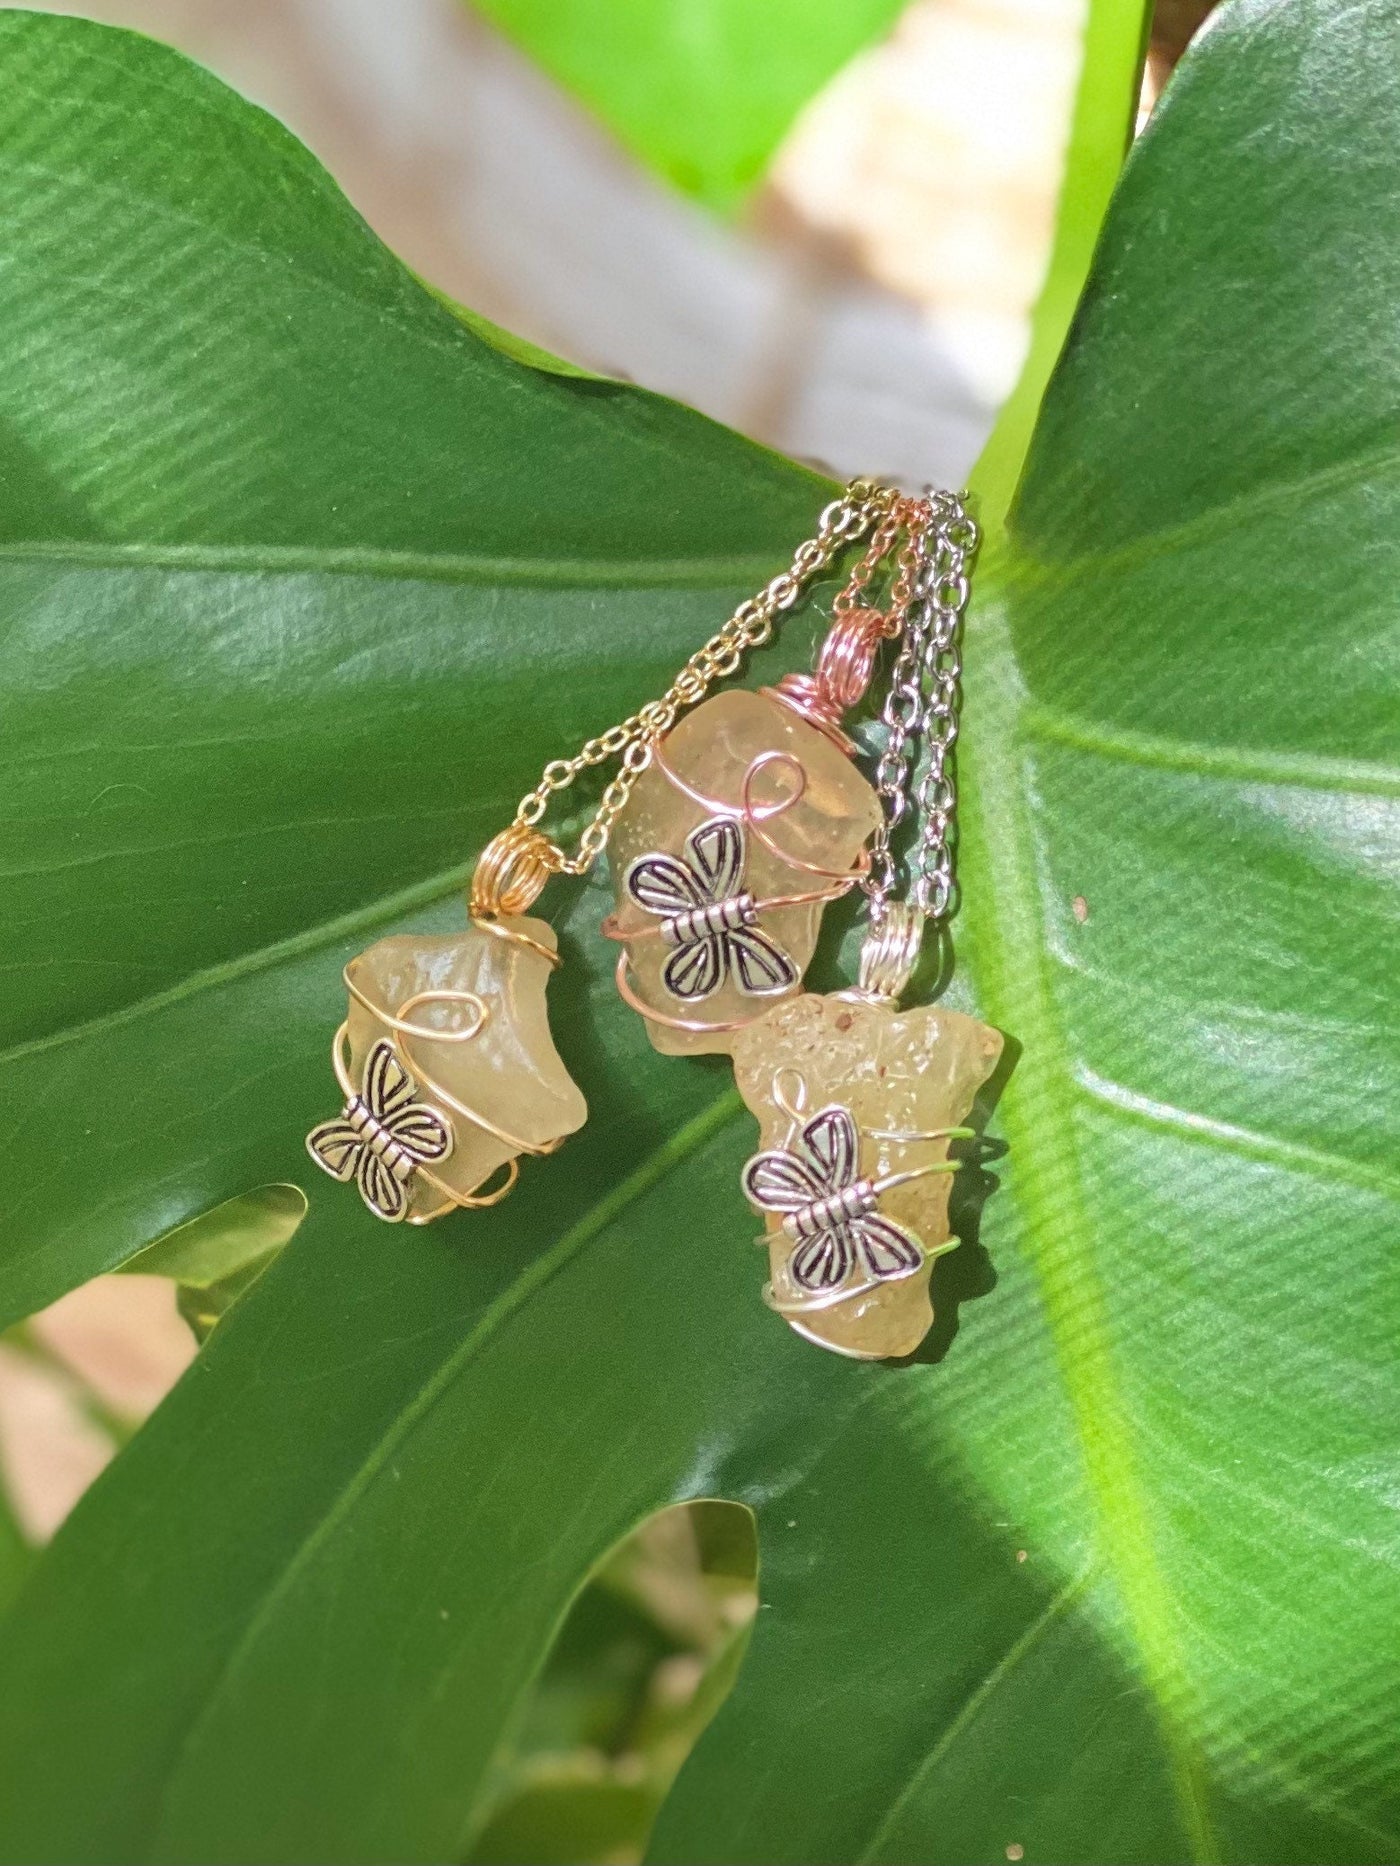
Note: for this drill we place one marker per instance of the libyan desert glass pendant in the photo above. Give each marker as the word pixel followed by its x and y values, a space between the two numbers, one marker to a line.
pixel 856 1103
pixel 448 1069
pixel 748 820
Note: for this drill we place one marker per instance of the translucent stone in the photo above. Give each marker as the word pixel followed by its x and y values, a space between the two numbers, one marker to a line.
pixel 906 1071
pixel 509 1073
pixel 712 750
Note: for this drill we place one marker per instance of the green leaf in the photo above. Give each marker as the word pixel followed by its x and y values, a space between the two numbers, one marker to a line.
pixel 216 1258
pixel 1106 1577
pixel 568 1817
pixel 702 91
pixel 648 1652
pixel 285 551
pixel 16 1553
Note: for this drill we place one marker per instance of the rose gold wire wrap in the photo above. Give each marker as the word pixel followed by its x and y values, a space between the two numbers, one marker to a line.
pixel 754 816
pixel 846 660
pixel 698 1026
pixel 841 677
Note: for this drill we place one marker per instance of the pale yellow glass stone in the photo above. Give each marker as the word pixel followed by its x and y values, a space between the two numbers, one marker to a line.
pixel 510 1072
pixel 901 1070
pixel 712 749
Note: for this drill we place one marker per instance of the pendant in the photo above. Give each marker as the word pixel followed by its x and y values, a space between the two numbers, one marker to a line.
pixel 448 1069
pixel 748 820
pixel 857 1102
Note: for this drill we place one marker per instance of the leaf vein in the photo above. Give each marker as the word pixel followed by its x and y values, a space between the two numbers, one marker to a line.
pixel 1015 1654
pixel 1267 1149
pixel 263 958
pixel 1304 770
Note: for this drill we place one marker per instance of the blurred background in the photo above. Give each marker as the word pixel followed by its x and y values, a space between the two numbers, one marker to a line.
pixel 867 304
pixel 853 289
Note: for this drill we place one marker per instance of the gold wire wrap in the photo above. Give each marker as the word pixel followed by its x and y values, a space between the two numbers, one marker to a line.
pixel 406 1031
pixel 473 1201
pixel 405 1027
pixel 467 1200
pixel 425 1033
pixel 499 930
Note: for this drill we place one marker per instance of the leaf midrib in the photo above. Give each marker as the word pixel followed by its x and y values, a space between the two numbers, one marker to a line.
pixel 402 566
pixel 1012 972
pixel 664 1159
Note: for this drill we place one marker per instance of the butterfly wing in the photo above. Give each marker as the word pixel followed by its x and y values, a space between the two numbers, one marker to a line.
pixel 759 965
pixel 696 969
pixel 780 1181
pixel 887 1249
pixel 381 1189
pixel 716 853
pixel 386 1085
pixel 336 1147
pixel 824 1260
pixel 831 1141
pixel 421 1131
pixel 663 885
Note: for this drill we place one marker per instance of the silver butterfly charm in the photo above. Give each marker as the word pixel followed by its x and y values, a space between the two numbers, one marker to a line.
pixel 828 1209
pixel 708 917
pixel 383 1135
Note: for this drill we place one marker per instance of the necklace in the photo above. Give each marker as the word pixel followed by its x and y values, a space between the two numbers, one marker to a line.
pixel 734 820
pixel 858 1100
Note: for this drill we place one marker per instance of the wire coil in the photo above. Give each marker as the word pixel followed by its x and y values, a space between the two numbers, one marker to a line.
pixel 510 872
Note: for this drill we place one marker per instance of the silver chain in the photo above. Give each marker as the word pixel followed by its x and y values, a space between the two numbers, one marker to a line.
pixel 922 705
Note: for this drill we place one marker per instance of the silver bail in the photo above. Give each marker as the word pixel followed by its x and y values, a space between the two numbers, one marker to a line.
pixel 888 954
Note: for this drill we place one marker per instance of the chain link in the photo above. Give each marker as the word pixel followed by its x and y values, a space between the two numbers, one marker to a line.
pixel 922 705
pixel 857 512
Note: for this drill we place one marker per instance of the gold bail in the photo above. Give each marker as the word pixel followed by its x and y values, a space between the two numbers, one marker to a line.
pixel 510 872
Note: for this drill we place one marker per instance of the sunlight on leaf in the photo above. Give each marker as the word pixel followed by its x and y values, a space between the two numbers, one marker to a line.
pixel 1099 1578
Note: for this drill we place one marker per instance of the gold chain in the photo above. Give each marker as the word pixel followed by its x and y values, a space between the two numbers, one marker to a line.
pixel 861 505
pixel 515 865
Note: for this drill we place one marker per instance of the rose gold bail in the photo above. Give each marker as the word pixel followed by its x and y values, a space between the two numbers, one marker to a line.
pixel 846 659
